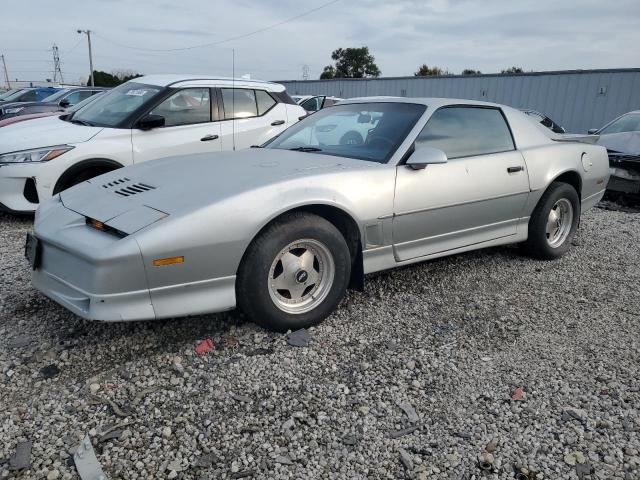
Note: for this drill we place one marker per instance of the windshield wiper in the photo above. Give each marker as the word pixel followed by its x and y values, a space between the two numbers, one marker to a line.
pixel 81 122
pixel 306 149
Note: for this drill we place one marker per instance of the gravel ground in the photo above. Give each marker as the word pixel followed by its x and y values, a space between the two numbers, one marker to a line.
pixel 528 369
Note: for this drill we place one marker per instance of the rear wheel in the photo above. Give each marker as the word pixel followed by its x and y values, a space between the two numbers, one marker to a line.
pixel 554 222
pixel 295 273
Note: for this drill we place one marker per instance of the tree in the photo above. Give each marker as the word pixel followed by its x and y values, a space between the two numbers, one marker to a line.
pixel 104 79
pixel 426 71
pixel 328 72
pixel 351 63
pixel 471 71
pixel 513 70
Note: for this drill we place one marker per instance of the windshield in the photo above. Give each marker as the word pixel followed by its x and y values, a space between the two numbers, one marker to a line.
pixel 627 123
pixel 83 103
pixel 9 93
pixel 55 96
pixel 116 105
pixel 365 131
pixel 15 94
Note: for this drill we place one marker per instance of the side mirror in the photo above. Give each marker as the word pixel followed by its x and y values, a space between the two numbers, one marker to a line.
pixel 64 103
pixel 592 131
pixel 424 156
pixel 150 121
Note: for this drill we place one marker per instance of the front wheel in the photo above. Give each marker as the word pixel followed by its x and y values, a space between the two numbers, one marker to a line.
pixel 294 274
pixel 554 222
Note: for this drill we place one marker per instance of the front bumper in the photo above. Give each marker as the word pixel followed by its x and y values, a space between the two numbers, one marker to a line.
pixel 135 305
pixel 100 276
pixel 194 298
pixel 624 180
pixel 13 180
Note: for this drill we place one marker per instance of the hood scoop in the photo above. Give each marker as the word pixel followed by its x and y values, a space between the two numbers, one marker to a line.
pixel 126 187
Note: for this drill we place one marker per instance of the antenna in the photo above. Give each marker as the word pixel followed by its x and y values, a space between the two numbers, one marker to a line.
pixel 233 96
pixel 57 70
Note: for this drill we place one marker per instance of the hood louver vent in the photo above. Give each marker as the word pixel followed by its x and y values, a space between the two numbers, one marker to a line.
pixel 125 188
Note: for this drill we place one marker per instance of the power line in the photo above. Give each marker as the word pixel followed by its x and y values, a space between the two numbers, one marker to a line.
pixel 67 52
pixel 230 39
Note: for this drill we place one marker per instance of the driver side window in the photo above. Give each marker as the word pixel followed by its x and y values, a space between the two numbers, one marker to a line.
pixel 466 132
pixel 185 107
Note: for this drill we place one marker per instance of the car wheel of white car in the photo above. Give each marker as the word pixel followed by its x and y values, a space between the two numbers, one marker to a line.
pixel 554 222
pixel 295 273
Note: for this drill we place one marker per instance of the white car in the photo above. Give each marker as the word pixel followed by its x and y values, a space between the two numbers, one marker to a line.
pixel 313 103
pixel 145 119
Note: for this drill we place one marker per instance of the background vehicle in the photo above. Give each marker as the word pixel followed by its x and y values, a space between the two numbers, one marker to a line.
pixel 58 101
pixel 313 103
pixel 31 116
pixel 34 94
pixel 544 120
pixel 146 119
pixel 284 229
pixel 621 138
pixel 10 92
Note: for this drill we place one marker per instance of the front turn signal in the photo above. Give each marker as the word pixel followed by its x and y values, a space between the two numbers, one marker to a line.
pixel 163 262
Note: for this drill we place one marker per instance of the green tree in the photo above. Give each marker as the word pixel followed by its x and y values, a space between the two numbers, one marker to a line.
pixel 105 79
pixel 471 71
pixel 425 71
pixel 351 63
pixel 513 70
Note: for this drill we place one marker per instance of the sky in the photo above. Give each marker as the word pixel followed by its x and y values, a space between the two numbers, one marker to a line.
pixel 485 35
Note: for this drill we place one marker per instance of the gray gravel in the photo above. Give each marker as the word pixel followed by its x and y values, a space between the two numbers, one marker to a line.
pixel 413 378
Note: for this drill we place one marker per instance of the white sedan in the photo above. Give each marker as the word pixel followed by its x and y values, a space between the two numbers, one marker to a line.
pixel 145 119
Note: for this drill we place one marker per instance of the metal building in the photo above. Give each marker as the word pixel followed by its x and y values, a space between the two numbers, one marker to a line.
pixel 576 99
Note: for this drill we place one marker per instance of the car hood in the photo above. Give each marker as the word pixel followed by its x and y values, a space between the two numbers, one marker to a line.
pixel 131 198
pixel 43 132
pixel 626 142
pixel 29 116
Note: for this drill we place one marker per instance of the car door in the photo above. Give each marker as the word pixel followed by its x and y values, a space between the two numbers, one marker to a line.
pixel 189 127
pixel 477 196
pixel 251 117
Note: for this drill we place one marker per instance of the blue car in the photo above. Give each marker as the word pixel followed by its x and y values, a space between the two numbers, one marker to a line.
pixel 32 94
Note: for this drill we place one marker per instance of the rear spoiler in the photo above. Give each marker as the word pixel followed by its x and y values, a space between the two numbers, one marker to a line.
pixel 576 137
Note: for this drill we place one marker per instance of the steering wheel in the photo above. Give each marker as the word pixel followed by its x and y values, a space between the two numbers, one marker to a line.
pixel 381 142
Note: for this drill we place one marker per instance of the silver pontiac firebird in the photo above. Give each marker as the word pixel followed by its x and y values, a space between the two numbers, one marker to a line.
pixel 284 229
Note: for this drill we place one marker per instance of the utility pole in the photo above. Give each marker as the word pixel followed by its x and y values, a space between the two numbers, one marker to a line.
pixel 57 70
pixel 6 74
pixel 88 32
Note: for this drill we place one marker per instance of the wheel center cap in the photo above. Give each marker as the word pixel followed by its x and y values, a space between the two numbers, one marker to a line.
pixel 302 276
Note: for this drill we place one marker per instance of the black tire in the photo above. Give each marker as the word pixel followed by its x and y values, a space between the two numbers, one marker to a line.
pixel 75 180
pixel 252 284
pixel 537 244
pixel 87 173
pixel 351 138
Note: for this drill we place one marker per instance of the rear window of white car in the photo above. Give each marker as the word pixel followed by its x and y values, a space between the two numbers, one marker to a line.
pixel 245 103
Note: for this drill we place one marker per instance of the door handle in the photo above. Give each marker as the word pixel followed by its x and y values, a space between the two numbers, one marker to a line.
pixel 206 138
pixel 519 168
pixel 277 122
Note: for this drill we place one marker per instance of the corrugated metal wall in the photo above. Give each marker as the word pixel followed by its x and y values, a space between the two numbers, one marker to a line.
pixel 578 100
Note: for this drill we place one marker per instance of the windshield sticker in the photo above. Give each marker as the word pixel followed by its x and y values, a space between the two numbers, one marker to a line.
pixel 137 93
